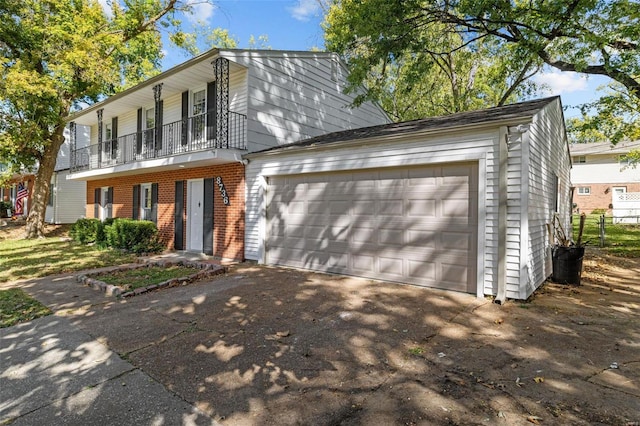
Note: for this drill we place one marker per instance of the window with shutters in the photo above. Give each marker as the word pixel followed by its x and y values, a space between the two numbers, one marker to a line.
pixel 198 115
pixel 145 201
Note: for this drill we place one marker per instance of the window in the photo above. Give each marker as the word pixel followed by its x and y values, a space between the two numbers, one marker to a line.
pixel 199 103
pixel 584 190
pixel 108 132
pixel 198 116
pixel 145 201
pixel 150 118
pixel 580 159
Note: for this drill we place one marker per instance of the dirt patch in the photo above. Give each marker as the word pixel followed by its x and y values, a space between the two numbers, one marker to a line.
pixel 272 346
pixel 14 229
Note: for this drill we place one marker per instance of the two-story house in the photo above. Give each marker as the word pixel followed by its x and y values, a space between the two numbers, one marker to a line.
pixel 171 149
pixel 600 171
pixel 67 198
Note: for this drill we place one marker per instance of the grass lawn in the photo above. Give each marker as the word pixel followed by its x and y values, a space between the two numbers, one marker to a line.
pixel 143 277
pixel 21 259
pixel 16 306
pixel 620 240
pixel 24 259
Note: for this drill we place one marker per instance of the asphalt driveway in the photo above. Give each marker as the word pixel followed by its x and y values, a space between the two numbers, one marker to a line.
pixel 267 345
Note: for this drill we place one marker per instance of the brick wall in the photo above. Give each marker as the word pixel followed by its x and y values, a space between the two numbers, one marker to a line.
pixel 600 196
pixel 228 221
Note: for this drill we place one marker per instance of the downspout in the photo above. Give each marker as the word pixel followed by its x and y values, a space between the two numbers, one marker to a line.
pixel 502 216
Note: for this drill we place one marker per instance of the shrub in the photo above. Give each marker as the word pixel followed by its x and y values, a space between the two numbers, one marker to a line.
pixel 599 211
pixel 6 209
pixel 85 231
pixel 101 233
pixel 137 236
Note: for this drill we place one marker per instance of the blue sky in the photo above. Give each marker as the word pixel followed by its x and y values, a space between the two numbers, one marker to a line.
pixel 295 25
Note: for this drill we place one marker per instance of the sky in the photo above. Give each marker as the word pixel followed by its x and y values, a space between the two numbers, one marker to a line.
pixel 296 25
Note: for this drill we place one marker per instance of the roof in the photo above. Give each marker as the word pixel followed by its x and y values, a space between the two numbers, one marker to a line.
pixel 176 79
pixel 507 113
pixel 603 148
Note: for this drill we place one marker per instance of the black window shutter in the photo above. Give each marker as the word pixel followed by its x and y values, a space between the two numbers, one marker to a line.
pixel 207 215
pixel 110 202
pixel 185 118
pixel 154 203
pixel 136 202
pixel 114 137
pixel 211 112
pixel 96 203
pixel 139 132
pixel 159 126
pixel 178 243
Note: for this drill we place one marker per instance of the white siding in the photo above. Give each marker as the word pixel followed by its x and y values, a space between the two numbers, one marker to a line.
pixel 69 199
pixel 603 169
pixel 293 97
pixel 479 146
pixel 82 140
pixel 548 157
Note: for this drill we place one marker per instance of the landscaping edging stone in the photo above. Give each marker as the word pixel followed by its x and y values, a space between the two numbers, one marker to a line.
pixel 204 270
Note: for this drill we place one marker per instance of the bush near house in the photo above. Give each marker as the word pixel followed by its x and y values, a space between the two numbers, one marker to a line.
pixel 85 231
pixel 134 236
pixel 6 209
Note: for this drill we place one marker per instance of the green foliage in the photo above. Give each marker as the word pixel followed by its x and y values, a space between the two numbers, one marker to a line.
pixel 16 307
pixel 491 48
pixel 85 231
pixel 426 70
pixel 57 55
pixel 101 235
pixel 5 206
pixel 135 236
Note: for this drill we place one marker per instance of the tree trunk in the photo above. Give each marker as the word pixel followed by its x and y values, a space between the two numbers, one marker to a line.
pixel 41 187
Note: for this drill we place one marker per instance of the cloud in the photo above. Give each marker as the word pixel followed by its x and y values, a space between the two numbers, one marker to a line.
pixel 304 10
pixel 562 82
pixel 202 11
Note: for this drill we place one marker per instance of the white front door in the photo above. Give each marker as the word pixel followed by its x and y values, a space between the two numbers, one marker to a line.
pixel 195 206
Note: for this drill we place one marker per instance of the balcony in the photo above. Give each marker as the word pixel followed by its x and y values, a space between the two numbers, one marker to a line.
pixel 180 137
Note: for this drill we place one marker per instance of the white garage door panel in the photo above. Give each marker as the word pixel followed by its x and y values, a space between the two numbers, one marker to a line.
pixel 416 225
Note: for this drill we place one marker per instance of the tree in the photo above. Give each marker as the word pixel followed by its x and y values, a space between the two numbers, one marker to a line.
pixel 596 37
pixel 433 72
pixel 60 54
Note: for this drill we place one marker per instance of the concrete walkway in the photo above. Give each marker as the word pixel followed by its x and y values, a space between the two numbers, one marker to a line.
pixel 53 372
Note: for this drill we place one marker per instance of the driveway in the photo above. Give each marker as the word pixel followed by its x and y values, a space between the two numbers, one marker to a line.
pixel 264 345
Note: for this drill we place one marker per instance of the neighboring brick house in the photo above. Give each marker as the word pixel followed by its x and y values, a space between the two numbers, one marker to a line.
pixel 599 171
pixel 170 149
pixel 17 191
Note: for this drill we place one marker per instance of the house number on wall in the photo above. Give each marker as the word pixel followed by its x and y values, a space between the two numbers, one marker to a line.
pixel 223 191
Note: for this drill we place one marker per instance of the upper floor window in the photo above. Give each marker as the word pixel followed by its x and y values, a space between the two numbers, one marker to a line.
pixel 150 118
pixel 199 103
pixel 580 159
pixel 108 132
pixel 584 190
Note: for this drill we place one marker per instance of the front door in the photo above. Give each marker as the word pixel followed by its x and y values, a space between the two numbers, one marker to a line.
pixel 195 207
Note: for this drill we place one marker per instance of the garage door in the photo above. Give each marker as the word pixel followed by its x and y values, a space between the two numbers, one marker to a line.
pixel 413 225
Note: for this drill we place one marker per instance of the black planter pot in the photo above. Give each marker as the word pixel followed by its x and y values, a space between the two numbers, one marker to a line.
pixel 567 264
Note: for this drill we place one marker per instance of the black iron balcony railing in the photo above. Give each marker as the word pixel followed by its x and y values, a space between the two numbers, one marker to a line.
pixel 191 135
